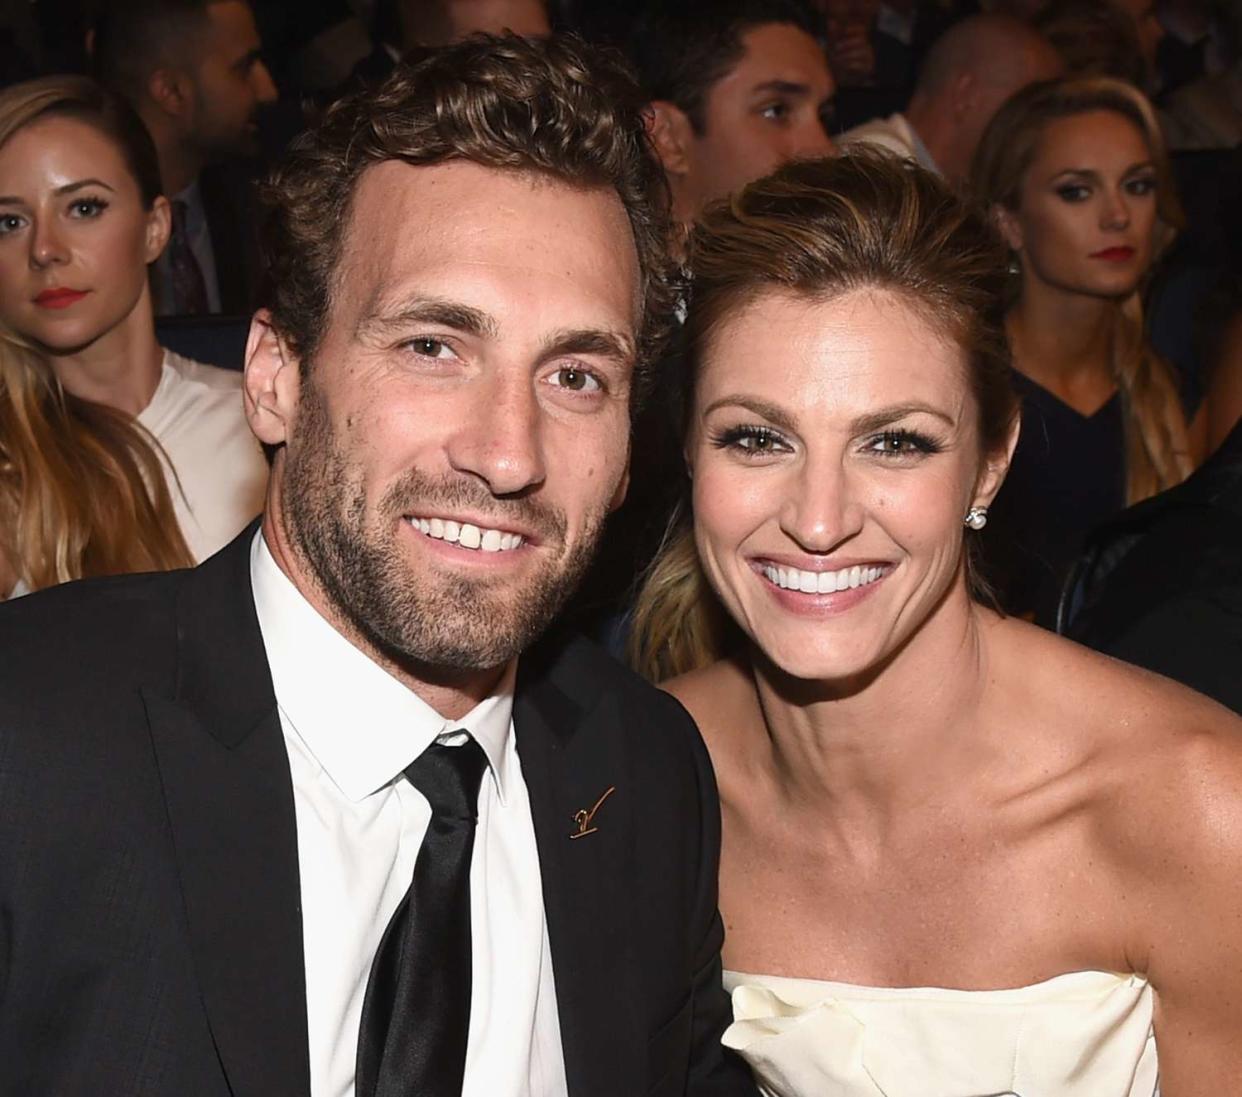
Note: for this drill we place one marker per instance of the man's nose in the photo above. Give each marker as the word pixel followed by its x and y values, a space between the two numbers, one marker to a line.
pixel 501 440
pixel 814 142
pixel 264 85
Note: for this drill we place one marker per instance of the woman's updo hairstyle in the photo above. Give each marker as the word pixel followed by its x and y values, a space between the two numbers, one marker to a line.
pixel 818 229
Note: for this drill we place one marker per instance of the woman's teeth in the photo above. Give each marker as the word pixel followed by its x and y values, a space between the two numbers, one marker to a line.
pixel 822 582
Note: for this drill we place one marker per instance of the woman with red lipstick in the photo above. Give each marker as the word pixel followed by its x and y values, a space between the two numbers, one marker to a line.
pixel 1076 175
pixel 115 455
pixel 960 855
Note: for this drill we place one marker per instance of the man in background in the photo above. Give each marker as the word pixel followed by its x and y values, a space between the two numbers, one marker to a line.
pixel 194 72
pixel 403 25
pixel 737 88
pixel 971 70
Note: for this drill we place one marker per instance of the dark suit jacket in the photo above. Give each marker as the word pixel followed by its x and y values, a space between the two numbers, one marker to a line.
pixel 1160 585
pixel 150 927
pixel 230 202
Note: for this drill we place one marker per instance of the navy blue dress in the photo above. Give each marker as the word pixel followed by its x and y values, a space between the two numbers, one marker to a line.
pixel 1068 474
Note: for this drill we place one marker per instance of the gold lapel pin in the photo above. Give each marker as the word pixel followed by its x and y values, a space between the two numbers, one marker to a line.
pixel 583 817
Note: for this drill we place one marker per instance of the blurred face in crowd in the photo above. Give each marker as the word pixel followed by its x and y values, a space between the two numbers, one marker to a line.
pixel 75 237
pixel 1146 26
pixel 229 84
pixel 462 431
pixel 830 479
pixel 442 22
pixel 766 111
pixel 1087 211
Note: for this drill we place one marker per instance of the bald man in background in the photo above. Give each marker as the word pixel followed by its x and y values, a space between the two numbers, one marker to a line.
pixel 399 26
pixel 971 70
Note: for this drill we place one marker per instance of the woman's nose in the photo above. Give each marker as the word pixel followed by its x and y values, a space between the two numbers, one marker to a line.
pixel 46 245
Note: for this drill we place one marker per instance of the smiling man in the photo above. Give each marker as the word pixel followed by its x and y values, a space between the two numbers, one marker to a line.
pixel 324 816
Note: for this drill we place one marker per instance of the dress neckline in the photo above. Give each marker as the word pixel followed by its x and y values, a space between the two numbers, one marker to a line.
pixel 1084 416
pixel 1087 982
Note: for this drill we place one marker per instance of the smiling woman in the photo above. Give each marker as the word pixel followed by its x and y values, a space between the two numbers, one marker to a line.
pixel 115 456
pixel 958 853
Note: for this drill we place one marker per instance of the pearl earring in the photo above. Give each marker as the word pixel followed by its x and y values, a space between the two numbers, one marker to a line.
pixel 977 517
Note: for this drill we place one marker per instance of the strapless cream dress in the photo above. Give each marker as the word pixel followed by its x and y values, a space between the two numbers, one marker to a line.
pixel 1086 1034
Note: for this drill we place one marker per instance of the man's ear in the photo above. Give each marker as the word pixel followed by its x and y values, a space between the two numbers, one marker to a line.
pixel 159 225
pixel 671 133
pixel 272 382
pixel 171 91
pixel 964 92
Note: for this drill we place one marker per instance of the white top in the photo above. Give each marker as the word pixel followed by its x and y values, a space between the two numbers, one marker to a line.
pixel 220 475
pixel 351 729
pixel 1086 1034
pixel 895 134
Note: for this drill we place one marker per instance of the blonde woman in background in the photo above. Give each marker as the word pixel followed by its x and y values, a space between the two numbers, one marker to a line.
pixel 1076 176
pixel 115 455
pixel 960 855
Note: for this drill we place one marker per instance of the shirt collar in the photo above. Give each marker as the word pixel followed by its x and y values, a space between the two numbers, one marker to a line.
pixel 921 153
pixel 362 725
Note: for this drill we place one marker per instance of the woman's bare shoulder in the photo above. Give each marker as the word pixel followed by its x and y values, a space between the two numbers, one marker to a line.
pixel 1094 696
pixel 713 694
pixel 720 697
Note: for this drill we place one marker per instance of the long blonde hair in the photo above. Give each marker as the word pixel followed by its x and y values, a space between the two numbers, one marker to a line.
pixel 1158 451
pixel 82 488
pixel 818 229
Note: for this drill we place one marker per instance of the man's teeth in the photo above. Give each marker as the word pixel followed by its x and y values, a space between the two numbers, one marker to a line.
pixel 821 582
pixel 466 535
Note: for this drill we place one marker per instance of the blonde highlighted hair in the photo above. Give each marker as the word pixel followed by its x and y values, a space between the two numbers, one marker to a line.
pixel 1158 451
pixel 82 488
pixel 816 230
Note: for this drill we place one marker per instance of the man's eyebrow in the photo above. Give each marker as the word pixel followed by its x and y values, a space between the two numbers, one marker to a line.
pixel 783 87
pixel 603 344
pixel 247 60
pixel 436 311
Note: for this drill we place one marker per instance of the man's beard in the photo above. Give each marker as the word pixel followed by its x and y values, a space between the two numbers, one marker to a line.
pixel 432 623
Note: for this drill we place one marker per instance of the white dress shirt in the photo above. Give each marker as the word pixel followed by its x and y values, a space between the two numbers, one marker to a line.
pixel 351 729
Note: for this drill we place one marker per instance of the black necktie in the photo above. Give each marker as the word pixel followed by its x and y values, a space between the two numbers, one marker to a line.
pixel 416 1013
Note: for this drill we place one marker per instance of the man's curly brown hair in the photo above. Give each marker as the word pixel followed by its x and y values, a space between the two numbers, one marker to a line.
pixel 556 107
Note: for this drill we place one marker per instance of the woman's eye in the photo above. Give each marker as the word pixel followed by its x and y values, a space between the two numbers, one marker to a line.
pixel 429 348
pixel 1073 192
pixel 9 222
pixel 752 441
pixel 1141 187
pixel 902 443
pixel 577 380
pixel 775 112
pixel 87 207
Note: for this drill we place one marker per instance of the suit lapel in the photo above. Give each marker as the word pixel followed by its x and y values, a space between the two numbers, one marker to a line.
pixel 229 796
pixel 570 757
